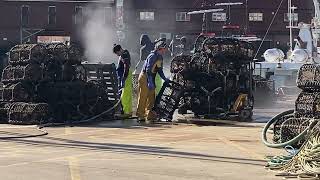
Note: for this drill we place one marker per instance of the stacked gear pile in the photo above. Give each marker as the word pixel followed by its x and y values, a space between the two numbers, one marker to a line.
pixel 48 83
pixel 299 128
pixel 215 81
pixel 290 127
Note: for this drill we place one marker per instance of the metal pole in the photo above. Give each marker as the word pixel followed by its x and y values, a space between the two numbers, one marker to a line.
pixel 205 18
pixel 204 23
pixel 247 18
pixel 290 24
pixel 229 9
pixel 21 35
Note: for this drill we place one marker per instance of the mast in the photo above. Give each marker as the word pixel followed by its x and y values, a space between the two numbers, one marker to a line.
pixel 290 23
pixel 247 19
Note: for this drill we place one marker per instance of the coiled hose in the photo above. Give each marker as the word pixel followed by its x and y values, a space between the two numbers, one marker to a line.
pixel 284 144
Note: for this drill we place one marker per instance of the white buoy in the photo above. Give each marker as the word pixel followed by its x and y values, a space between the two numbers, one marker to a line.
pixel 300 56
pixel 273 55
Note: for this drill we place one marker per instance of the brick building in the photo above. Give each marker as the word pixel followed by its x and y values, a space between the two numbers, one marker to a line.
pixel 40 20
pixel 47 20
pixel 253 17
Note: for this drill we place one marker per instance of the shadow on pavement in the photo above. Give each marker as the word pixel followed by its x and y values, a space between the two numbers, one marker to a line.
pixel 130 149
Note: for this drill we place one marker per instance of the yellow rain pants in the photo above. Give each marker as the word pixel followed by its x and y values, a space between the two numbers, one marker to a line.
pixel 126 96
pixel 146 99
pixel 159 83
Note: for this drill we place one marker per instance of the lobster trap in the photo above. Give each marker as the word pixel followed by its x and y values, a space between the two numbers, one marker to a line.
pixel 215 78
pixel 308 105
pixel 57 52
pixel 288 127
pixel 16 92
pixel 30 72
pixel 75 54
pixel 4 109
pixel 27 53
pixel 28 113
pixel 309 77
pixel 45 82
pixel 179 63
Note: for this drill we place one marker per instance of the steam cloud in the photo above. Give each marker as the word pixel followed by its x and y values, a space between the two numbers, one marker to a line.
pixel 98 36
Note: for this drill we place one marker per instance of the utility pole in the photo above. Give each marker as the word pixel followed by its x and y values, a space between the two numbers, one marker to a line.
pixel 290 23
pixel 246 29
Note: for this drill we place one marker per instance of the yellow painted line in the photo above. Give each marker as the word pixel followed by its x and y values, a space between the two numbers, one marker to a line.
pixel 74 168
pixel 242 148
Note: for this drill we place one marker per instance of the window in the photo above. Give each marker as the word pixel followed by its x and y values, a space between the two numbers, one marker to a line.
pixel 78 18
pixel 165 35
pixel 107 15
pixel 52 15
pixel 147 16
pixel 255 16
pixel 25 15
pixel 119 3
pixel 219 16
pixel 182 16
pixel 295 17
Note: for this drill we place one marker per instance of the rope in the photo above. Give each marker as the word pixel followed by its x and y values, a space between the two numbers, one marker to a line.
pixel 306 163
pixel 267 32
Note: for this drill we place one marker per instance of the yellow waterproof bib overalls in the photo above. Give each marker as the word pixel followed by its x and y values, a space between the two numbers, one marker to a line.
pixel 146 97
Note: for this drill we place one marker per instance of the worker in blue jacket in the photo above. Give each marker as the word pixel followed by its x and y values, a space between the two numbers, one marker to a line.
pixel 152 66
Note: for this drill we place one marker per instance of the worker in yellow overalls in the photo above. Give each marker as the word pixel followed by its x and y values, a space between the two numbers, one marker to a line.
pixel 147 85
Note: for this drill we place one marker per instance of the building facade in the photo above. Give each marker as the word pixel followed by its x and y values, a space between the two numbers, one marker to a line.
pixel 52 20
pixel 48 20
pixel 253 17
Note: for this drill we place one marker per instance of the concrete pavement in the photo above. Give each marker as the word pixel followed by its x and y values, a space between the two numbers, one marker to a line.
pixel 126 150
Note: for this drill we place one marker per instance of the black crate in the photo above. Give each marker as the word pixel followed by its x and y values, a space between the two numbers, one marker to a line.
pixel 168 100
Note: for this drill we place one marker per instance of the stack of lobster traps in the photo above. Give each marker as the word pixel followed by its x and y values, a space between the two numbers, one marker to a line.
pixel 299 128
pixel 19 78
pixel 291 124
pixel 48 83
pixel 215 81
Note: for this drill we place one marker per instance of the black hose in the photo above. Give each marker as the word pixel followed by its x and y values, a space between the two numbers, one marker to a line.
pixel 41 129
pixel 290 142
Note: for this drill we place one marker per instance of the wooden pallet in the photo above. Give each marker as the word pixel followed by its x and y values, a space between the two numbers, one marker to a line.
pixel 107 74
